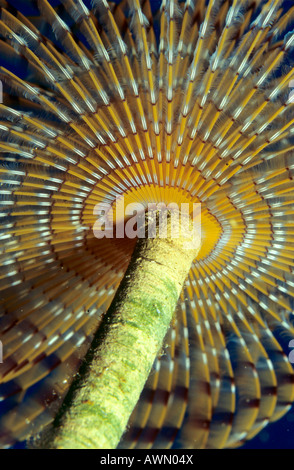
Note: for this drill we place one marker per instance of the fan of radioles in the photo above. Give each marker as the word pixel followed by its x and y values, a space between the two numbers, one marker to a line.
pixel 190 103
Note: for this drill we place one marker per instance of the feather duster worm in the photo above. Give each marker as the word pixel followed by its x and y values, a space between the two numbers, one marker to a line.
pixel 189 105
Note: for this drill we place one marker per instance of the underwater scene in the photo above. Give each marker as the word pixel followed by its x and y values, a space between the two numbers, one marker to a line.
pixel 147 224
